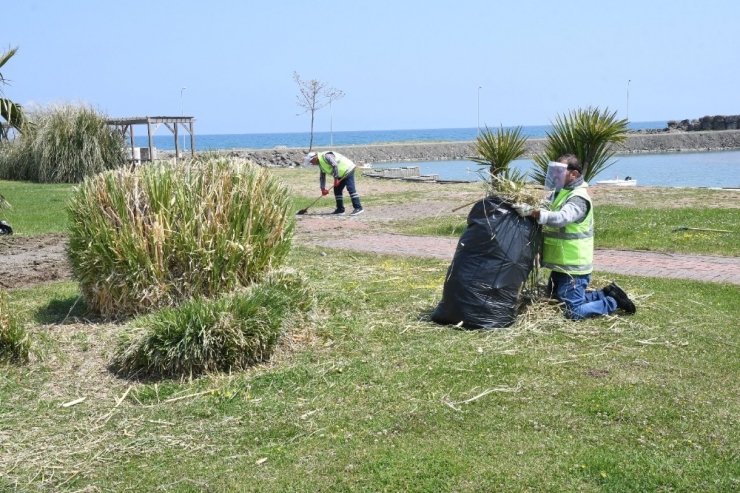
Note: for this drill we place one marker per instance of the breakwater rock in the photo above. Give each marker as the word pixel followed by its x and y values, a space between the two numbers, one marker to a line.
pixel 716 122
pixel 449 151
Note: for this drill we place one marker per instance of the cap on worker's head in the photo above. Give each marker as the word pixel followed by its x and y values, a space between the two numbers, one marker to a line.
pixel 309 158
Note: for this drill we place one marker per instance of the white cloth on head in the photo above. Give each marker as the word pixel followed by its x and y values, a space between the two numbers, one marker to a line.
pixel 308 158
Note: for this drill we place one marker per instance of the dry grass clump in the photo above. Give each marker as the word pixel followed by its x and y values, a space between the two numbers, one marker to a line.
pixel 516 191
pixel 226 334
pixel 64 144
pixel 161 234
pixel 15 345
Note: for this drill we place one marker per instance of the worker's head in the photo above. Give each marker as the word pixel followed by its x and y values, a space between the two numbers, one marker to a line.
pixel 311 158
pixel 575 168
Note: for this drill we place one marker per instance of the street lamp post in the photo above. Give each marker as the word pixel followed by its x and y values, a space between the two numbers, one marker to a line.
pixel 331 129
pixel 182 113
pixel 628 99
pixel 479 88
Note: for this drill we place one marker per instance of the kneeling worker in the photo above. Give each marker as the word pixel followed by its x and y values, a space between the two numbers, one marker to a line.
pixel 343 171
pixel 568 249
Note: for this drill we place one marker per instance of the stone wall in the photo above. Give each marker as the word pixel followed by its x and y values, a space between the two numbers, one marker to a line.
pixel 448 151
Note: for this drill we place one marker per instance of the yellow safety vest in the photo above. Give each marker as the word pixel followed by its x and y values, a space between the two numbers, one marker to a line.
pixel 344 164
pixel 570 249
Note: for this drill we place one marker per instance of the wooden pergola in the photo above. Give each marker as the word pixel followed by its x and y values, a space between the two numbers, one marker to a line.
pixel 173 123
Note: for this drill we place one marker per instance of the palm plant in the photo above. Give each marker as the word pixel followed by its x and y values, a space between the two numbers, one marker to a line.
pixel 589 134
pixel 11 112
pixel 498 150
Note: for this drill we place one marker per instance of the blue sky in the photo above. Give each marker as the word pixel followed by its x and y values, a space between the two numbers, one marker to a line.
pixel 401 64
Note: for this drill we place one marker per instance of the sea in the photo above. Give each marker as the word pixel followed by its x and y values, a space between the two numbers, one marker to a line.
pixel 720 169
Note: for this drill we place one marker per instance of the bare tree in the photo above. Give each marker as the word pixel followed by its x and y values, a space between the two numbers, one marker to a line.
pixel 314 95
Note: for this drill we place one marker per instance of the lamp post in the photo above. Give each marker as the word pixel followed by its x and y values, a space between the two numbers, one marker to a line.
pixel 332 94
pixel 479 88
pixel 331 130
pixel 182 113
pixel 628 99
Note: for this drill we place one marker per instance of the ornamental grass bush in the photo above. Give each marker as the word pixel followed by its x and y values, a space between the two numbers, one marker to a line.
pixel 163 233
pixel 64 143
pixel 229 333
pixel 15 345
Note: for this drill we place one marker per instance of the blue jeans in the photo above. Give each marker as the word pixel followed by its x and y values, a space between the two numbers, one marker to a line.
pixel 348 182
pixel 571 290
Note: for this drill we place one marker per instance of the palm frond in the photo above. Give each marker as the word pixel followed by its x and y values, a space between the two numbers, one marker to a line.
pixel 11 112
pixel 498 150
pixel 589 134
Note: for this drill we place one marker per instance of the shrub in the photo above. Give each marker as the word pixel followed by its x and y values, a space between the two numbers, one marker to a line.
pixel 15 345
pixel 13 165
pixel 227 334
pixel 63 144
pixel 163 233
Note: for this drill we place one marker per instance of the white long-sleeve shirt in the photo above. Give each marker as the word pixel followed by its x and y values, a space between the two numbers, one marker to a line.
pixel 573 211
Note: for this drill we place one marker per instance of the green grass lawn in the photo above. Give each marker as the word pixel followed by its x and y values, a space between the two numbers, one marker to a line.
pixel 372 396
pixel 661 230
pixel 36 208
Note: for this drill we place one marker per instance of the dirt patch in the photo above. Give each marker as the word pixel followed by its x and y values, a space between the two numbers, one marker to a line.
pixel 31 260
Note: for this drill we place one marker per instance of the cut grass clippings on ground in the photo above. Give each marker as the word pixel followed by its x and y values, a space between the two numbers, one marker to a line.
pixel 613 402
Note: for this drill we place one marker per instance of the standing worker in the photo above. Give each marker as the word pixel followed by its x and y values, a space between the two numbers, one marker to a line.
pixel 343 171
pixel 568 247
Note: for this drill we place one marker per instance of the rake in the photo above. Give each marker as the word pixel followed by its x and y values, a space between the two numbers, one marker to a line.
pixel 303 211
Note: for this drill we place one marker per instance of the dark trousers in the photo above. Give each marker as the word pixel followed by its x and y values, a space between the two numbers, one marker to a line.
pixel 349 183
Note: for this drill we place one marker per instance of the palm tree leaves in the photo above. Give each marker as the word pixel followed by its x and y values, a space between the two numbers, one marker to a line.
pixel 498 150
pixel 4 57
pixel 11 112
pixel 589 134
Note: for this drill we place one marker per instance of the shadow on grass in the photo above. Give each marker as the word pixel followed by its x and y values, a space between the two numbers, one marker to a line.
pixel 59 311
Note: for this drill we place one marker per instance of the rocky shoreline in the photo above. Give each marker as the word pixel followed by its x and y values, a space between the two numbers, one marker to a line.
pixel 637 143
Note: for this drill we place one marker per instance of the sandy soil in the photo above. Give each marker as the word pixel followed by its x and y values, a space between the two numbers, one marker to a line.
pixel 28 261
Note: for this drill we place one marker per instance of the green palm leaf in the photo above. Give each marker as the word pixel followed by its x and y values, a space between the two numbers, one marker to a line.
pixel 498 150
pixel 11 112
pixel 589 134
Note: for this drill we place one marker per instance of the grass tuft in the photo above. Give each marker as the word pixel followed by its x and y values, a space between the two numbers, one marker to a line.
pixel 15 344
pixel 227 334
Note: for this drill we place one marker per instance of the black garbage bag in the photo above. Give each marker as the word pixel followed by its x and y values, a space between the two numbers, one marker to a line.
pixel 494 256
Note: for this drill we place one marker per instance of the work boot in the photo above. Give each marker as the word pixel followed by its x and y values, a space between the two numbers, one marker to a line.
pixel 623 301
pixel 338 212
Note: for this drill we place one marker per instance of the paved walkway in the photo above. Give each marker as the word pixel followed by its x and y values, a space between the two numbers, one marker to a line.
pixel 638 263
